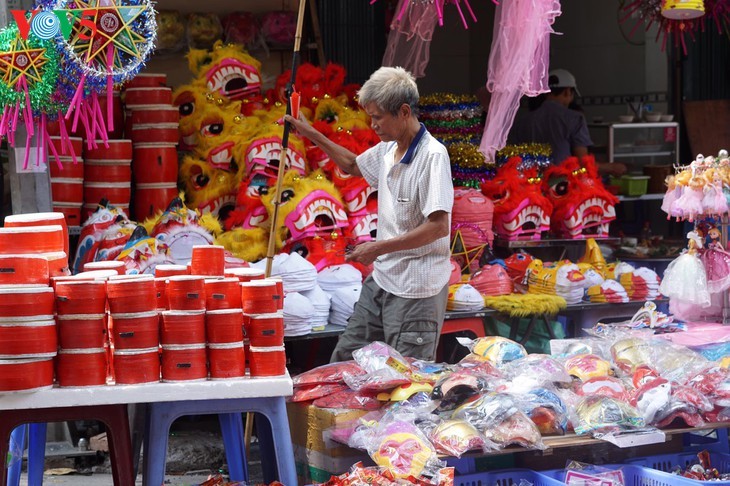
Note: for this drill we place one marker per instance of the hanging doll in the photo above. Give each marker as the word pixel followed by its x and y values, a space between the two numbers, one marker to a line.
pixel 674 190
pixel 689 204
pixel 717 263
pixel 685 278
pixel 714 202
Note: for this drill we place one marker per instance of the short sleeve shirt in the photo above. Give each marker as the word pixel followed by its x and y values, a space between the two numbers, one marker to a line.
pixel 553 124
pixel 407 194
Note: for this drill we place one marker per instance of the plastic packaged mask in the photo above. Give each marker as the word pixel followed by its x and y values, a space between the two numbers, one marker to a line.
pixel 498 349
pixel 587 366
pixel 629 354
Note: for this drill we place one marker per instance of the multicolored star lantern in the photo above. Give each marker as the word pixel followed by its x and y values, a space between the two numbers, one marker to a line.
pixel 464 255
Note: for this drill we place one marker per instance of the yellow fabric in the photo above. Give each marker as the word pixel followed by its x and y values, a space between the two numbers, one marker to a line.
pixel 523 305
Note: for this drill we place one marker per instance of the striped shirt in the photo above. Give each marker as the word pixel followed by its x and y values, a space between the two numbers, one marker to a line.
pixel 413 188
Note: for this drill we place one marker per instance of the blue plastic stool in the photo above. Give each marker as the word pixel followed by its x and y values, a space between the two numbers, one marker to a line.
pixel 276 448
pixel 36 453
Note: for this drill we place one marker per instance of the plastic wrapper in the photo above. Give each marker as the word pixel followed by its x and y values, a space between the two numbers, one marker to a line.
pixel 661 403
pixel 587 366
pixel 606 386
pixel 565 348
pixel 203 30
pixel 170 31
pixel 279 27
pixel 380 476
pixel 518 429
pixel 313 392
pixel 384 366
pixel 714 383
pixel 404 392
pixel 496 349
pixel 675 362
pixel 630 353
pixel 403 449
pixel 546 410
pixel 455 437
pixel 581 474
pixel 533 371
pixel 603 415
pixel 329 373
pixel 455 388
pixel 351 399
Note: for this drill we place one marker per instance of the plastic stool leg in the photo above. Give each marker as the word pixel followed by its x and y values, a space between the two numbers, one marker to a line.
pixel 157 428
pixel 17 442
pixel 36 452
pixel 275 438
pixel 232 431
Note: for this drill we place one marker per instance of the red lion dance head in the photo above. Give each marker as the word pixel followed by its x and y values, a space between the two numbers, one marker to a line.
pixel 582 206
pixel 520 209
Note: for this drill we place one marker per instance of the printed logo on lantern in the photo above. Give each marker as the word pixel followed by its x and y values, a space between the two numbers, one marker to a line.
pixel 109 23
pixel 46 24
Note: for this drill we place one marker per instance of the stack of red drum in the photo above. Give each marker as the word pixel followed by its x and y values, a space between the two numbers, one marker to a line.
pixel 224 328
pixel 107 174
pixel 183 330
pixel 134 328
pixel 152 124
pixel 67 178
pixel 262 301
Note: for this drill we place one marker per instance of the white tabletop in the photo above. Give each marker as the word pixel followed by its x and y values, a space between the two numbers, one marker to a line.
pixel 279 386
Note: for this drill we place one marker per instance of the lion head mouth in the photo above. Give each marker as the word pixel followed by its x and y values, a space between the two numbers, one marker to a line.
pixel 317 213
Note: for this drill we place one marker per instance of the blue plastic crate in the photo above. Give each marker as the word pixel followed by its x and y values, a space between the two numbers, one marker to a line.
pixel 667 462
pixel 506 477
pixel 635 476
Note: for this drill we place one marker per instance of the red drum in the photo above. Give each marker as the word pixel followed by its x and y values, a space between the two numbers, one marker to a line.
pixel 71 211
pixel 222 293
pixel 39 219
pixel 129 294
pixel 161 287
pixel 112 150
pixel 76 145
pixel 183 327
pixel 224 326
pixel 75 297
pixel 23 269
pixel 246 327
pixel 149 199
pixel 117 193
pixel 148 114
pixel 165 270
pixel 26 302
pixel 184 363
pixel 136 331
pixel 31 239
pixel 26 374
pixel 155 133
pixel 155 163
pixel 28 339
pixel 158 95
pixel 57 264
pixel 245 274
pixel 226 361
pixel 69 169
pixel 267 361
pixel 67 190
pixel 185 292
pixel 81 367
pixel 82 331
pixel 279 296
pixel 101 275
pixel 115 173
pixel 259 297
pixel 266 330
pixel 147 80
pixel 208 260
pixel 136 366
pixel 117 266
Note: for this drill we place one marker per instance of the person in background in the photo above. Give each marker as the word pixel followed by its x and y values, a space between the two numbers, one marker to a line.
pixel 403 301
pixel 552 121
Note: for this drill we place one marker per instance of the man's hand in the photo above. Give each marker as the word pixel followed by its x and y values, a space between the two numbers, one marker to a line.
pixel 301 125
pixel 613 168
pixel 364 253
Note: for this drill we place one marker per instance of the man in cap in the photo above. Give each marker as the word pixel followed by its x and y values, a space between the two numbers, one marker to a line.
pixel 404 300
pixel 554 123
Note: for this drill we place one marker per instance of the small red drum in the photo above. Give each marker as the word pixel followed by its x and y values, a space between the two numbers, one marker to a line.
pixel 117 266
pixel 129 294
pixel 266 330
pixel 24 269
pixel 224 326
pixel 112 150
pixel 26 302
pixel 57 264
pixel 74 144
pixel 69 169
pixel 267 361
pixel 184 363
pixel 279 297
pixel 107 173
pixel 222 293
pixel 149 199
pixel 155 163
pixel 82 331
pixel 25 374
pixel 155 133
pixel 245 274
pixel 101 275
pixel 158 95
pixel 71 211
pixel 75 297
pixel 185 292
pixel 39 219
pixel 208 260
pixel 259 297
pixel 67 190
pixel 136 366
pixel 117 193
pixel 148 114
pixel 183 327
pixel 31 239
pixel 28 339
pixel 161 287
pixel 166 270
pixel 226 361
pixel 136 331
pixel 147 80
pixel 81 367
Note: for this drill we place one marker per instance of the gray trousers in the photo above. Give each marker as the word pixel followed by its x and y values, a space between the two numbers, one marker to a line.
pixel 411 326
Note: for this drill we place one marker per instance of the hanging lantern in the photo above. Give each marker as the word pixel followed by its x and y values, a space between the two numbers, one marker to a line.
pixel 683 9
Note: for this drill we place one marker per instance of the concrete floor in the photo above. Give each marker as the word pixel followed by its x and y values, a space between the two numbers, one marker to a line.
pixel 106 480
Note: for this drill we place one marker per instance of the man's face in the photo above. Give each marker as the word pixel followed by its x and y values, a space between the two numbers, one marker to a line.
pixel 386 125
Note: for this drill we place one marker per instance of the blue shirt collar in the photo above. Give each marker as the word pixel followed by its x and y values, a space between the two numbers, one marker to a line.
pixel 408 157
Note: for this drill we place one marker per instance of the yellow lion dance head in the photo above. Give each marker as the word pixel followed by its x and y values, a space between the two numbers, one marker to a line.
pixel 207 189
pixel 227 69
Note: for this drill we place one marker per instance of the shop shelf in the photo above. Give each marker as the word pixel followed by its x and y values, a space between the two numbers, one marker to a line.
pixel 506 477
pixel 634 476
pixel 667 462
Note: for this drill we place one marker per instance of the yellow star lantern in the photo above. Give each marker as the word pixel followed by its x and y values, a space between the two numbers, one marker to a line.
pixel 465 256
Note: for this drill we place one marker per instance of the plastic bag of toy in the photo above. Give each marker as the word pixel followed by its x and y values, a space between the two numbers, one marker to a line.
pixel 496 349
pixel 532 371
pixel 586 366
pixel 170 31
pixel 352 399
pixel 546 410
pixel 279 28
pixel 581 474
pixel 313 392
pixel 675 362
pixel 203 30
pixel 384 366
pixel 404 450
pixel 714 383
pixel 456 436
pixel 329 373
pixel 599 415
